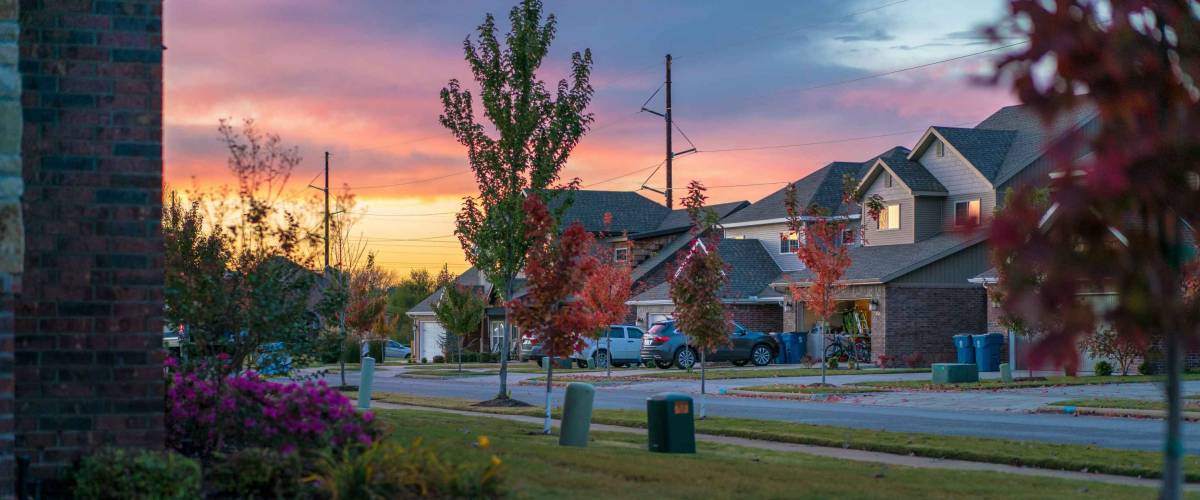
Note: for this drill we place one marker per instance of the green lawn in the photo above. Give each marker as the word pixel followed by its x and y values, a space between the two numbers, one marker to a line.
pixel 1190 403
pixel 1027 453
pixel 617 465
pixel 804 389
pixel 424 372
pixel 992 384
pixel 731 374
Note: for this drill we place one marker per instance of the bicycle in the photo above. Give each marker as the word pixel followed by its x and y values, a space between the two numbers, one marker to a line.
pixel 844 347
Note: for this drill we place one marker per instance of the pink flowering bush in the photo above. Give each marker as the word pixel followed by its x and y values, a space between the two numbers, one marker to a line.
pixel 208 413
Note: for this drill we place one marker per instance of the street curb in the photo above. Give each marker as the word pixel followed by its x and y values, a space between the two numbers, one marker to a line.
pixel 795 396
pixel 1189 416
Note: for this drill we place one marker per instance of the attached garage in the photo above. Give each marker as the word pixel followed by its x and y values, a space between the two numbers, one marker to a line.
pixel 430 336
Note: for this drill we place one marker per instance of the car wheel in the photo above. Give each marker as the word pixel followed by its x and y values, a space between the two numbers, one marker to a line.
pixel 685 358
pixel 662 364
pixel 600 358
pixel 539 362
pixel 760 355
pixel 739 362
pixel 581 363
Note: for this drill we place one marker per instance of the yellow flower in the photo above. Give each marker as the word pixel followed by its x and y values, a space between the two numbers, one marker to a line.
pixel 484 442
pixel 495 461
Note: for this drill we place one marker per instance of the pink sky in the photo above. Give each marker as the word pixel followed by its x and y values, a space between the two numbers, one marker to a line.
pixel 361 81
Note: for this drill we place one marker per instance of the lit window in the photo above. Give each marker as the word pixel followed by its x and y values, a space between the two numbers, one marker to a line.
pixel 789 243
pixel 889 217
pixel 966 213
pixel 939 149
pixel 621 254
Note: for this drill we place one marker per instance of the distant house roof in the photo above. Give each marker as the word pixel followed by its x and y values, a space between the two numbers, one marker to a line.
pixel 751 270
pixel 631 212
pixel 822 188
pixel 880 264
pixel 985 149
pixel 1032 135
pixel 471 277
pixel 678 220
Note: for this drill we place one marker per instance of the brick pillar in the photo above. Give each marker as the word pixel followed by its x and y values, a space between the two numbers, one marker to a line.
pixel 88 318
pixel 11 235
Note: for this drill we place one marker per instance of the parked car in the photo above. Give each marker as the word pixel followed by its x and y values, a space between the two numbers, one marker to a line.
pixel 396 350
pixel 665 346
pixel 620 345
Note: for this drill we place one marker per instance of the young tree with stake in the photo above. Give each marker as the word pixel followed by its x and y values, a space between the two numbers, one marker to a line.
pixel 536 133
pixel 824 254
pixel 1122 215
pixel 557 267
pixel 460 311
pixel 696 285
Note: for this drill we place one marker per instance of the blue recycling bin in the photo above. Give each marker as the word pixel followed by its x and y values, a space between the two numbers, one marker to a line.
pixel 781 357
pixel 987 351
pixel 964 348
pixel 797 347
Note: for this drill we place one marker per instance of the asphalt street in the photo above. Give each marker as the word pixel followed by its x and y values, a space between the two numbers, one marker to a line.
pixel 1139 434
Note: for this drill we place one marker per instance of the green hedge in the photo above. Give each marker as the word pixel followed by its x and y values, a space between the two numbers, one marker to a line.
pixel 119 474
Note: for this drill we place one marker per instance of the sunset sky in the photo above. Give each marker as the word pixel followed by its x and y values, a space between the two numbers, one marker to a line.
pixel 360 78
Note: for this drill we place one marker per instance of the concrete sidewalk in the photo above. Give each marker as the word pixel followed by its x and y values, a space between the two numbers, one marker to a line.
pixel 837 453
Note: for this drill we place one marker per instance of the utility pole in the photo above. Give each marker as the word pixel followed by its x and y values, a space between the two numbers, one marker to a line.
pixel 326 190
pixel 671 154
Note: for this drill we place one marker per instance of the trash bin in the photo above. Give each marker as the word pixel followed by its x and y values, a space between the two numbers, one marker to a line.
pixel 797 347
pixel 987 351
pixel 964 348
pixel 670 427
pixel 782 356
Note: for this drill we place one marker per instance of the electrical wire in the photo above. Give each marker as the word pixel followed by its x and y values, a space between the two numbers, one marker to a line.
pixel 910 68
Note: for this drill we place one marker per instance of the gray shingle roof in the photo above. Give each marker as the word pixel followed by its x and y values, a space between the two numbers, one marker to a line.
pixel 1030 140
pixel 911 173
pixel 470 277
pixel 989 276
pixel 678 218
pixel 822 188
pixel 886 262
pixel 751 270
pixel 983 148
pixel 631 212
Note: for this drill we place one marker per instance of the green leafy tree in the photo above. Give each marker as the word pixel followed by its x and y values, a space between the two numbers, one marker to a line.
pixel 411 290
pixel 536 130
pixel 460 311
pixel 240 276
pixel 696 285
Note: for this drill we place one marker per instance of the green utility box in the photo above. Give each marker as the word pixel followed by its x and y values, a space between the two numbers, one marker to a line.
pixel 577 415
pixel 955 373
pixel 670 426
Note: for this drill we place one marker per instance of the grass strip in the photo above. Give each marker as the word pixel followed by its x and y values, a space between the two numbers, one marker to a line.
pixel 993 384
pixel 1191 403
pixel 1073 457
pixel 804 389
pixel 734 374
pixel 617 465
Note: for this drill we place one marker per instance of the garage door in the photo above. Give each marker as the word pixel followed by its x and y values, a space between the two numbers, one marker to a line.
pixel 432 336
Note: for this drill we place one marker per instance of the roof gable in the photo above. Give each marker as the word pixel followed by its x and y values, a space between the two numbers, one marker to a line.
pixel 821 188
pixel 631 212
pixel 1032 135
pixel 911 173
pixel 983 149
pixel 751 270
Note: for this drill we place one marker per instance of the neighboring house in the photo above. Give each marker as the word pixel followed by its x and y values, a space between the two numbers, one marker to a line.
pixel 640 232
pixel 909 278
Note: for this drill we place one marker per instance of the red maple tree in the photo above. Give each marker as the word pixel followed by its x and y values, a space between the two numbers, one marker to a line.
pixel 604 293
pixel 696 285
pixel 557 267
pixel 1123 217
pixel 824 253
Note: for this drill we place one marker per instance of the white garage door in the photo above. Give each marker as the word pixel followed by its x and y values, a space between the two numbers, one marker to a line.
pixel 432 336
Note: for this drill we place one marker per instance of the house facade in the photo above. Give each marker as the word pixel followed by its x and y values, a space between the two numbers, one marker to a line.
pixel 908 288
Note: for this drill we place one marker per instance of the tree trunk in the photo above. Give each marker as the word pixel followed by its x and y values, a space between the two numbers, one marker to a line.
pixel 609 352
pixel 549 386
pixel 1172 487
pixel 342 356
pixel 703 380
pixel 506 341
pixel 459 353
pixel 821 335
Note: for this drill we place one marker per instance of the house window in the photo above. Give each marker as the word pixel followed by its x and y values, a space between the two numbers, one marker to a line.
pixel 939 149
pixel 621 254
pixel 966 213
pixel 889 217
pixel 849 237
pixel 887 179
pixel 789 242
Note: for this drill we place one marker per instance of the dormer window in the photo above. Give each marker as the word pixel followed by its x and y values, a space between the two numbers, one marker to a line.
pixel 887 179
pixel 939 149
pixel 621 254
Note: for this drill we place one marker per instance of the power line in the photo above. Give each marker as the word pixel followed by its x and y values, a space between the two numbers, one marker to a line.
pixel 626 174
pixel 430 214
pixel 820 143
pixel 910 68
pixel 414 181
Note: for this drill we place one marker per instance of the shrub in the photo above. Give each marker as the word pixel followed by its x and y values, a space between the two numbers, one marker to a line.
pixel 256 473
pixel 884 360
pixel 375 349
pixel 914 360
pixel 351 350
pixel 120 474
pixel 389 470
pixel 808 361
pixel 1103 368
pixel 832 363
pixel 439 359
pixel 1146 368
pixel 1107 343
pixel 207 414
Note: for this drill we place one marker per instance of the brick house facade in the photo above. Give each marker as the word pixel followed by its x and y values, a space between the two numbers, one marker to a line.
pixel 81 324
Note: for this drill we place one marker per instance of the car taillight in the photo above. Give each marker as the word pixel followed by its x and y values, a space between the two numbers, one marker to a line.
pixel 661 339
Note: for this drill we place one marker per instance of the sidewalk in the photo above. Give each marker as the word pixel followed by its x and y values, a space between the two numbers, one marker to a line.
pixel 838 453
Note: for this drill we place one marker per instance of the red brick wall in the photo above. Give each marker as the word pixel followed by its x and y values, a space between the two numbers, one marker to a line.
pixel 88 319
pixel 922 319
pixel 758 317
